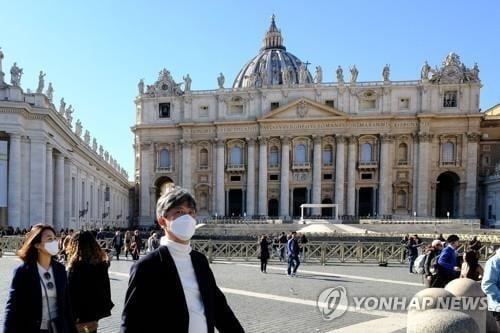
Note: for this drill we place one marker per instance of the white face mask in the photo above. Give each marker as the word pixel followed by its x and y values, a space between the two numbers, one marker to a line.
pixel 183 227
pixel 52 247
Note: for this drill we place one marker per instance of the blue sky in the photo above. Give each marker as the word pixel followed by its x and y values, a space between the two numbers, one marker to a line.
pixel 94 52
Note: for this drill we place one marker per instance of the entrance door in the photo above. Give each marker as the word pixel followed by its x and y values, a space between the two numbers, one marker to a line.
pixel 272 207
pixel 447 194
pixel 327 211
pixel 365 203
pixel 299 198
pixel 235 202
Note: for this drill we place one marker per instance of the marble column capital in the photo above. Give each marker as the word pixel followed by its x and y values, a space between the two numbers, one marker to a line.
pixel 473 136
pixel 353 139
pixel 250 141
pixel 340 138
pixel 219 142
pixel 425 137
pixel 285 139
pixel 262 140
pixel 317 139
pixel 386 138
pixel 185 143
pixel 15 136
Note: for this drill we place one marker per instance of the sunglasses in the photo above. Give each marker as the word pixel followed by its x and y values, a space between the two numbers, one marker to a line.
pixel 49 284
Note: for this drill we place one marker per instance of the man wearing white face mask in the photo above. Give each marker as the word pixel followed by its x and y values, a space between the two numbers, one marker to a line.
pixel 173 289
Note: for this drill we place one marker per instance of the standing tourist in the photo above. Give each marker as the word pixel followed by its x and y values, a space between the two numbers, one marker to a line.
pixel 264 253
pixel 430 263
pixel 117 244
pixel 153 242
pixel 282 243
pixel 38 299
pixel 448 264
pixel 412 251
pixel 293 254
pixel 135 245
pixel 88 280
pixel 173 289
pixel 491 285
pixel 128 240
pixel 471 268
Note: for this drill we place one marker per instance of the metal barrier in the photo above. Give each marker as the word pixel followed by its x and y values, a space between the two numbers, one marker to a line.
pixel 317 252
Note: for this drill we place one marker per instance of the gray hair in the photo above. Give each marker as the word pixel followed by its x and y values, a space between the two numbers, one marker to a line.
pixel 173 198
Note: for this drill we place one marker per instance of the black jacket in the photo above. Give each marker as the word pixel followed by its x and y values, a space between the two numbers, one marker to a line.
pixel 23 311
pixel 155 300
pixel 89 291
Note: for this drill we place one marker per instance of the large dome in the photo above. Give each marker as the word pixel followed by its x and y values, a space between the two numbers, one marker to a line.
pixel 273 65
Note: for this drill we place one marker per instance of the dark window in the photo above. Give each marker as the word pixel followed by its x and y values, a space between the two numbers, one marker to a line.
pixel 490 215
pixel 330 103
pixel 327 176
pixel 235 178
pixel 275 105
pixel 450 99
pixel 274 177
pixel 366 176
pixel 164 109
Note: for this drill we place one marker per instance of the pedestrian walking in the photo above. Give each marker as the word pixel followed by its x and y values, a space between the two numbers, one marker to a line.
pixel 430 263
pixel 447 263
pixel 264 253
pixel 128 240
pixel 117 244
pixel 412 252
pixel 471 268
pixel 491 286
pixel 173 288
pixel 88 280
pixel 293 255
pixel 38 299
pixel 135 245
pixel 282 245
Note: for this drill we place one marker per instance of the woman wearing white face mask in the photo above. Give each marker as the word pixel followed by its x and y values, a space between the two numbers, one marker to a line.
pixel 38 298
pixel 173 289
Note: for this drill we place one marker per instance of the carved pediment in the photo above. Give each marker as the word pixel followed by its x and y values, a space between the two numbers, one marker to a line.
pixel 303 108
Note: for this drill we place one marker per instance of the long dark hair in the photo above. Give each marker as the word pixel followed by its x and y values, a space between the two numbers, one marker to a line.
pixel 28 252
pixel 83 247
pixel 472 260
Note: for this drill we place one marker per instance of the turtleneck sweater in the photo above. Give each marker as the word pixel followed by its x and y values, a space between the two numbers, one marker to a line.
pixel 182 259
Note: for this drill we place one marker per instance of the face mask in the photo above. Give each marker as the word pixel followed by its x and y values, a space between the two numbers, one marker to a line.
pixel 52 248
pixel 183 227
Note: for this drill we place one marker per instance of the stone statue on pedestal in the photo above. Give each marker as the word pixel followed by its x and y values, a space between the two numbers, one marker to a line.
pixel 354 74
pixel 475 72
pixel 68 113
pixel 41 82
pixel 78 128
pixel 386 72
pixel 286 75
pixel 15 75
pixel 319 75
pixel 302 74
pixel 94 145
pixel 86 137
pixel 140 86
pixel 340 75
pixel 101 150
pixel 187 83
pixel 50 92
pixel 220 81
pixel 62 107
pixel 2 74
pixel 424 71
pixel 106 156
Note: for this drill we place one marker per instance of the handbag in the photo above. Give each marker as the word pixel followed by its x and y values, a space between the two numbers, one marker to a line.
pixel 52 327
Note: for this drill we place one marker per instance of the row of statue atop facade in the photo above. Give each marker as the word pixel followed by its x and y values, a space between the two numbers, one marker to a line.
pixel 452 71
pixel 65 112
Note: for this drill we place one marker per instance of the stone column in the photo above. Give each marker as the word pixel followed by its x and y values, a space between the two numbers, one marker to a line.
pixel 351 175
pixel 385 167
pixel 186 164
pixel 59 196
pixel 219 182
pixel 250 196
pixel 340 173
pixel 37 176
pixel 471 175
pixel 424 143
pixel 262 176
pixel 285 175
pixel 14 187
pixel 49 188
pixel 147 166
pixel 316 185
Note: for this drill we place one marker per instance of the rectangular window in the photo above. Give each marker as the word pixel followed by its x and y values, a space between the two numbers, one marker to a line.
pixel 330 103
pixel 235 178
pixel 404 103
pixel 274 177
pixel 490 215
pixel 327 176
pixel 450 99
pixel 366 176
pixel 164 109
pixel 275 105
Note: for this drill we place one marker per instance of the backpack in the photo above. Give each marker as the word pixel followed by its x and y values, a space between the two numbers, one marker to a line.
pixel 418 265
pixel 433 266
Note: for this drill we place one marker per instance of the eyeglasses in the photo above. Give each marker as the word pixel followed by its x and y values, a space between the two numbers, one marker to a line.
pixel 49 284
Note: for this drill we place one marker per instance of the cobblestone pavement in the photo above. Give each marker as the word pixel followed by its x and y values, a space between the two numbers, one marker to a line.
pixel 274 302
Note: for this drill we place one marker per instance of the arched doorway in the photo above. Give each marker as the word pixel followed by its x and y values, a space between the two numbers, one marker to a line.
pixel 272 207
pixel 327 211
pixel 163 184
pixel 235 202
pixel 299 198
pixel 447 194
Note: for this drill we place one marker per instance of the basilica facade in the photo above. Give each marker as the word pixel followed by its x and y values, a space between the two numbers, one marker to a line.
pixel 51 170
pixel 281 137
